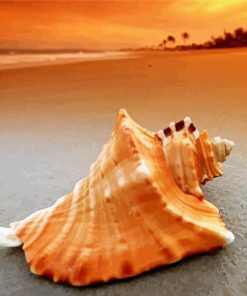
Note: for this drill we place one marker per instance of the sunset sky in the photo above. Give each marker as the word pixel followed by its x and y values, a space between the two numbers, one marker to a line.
pixel 114 24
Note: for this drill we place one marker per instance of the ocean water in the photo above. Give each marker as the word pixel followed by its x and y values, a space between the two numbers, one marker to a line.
pixel 12 59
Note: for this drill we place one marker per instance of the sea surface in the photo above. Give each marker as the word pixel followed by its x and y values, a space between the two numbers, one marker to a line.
pixel 13 60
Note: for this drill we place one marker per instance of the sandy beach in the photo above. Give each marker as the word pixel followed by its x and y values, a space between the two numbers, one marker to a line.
pixel 54 120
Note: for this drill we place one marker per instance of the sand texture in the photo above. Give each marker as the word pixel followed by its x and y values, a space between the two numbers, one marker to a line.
pixel 55 119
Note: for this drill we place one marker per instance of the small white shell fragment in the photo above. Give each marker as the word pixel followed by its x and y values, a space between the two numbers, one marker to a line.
pixel 8 238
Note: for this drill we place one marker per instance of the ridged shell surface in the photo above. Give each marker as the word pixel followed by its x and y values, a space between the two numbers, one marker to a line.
pixel 128 216
pixel 192 162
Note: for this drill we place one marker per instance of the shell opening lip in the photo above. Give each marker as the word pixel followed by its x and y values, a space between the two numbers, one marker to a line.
pixel 8 238
pixel 229 237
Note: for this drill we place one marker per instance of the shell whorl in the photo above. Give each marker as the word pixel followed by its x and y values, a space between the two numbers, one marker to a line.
pixel 193 157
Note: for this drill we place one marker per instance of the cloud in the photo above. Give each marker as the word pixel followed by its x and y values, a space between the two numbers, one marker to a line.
pixel 206 7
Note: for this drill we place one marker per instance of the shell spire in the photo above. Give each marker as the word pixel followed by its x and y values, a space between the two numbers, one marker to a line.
pixel 129 215
pixel 193 157
pixel 222 148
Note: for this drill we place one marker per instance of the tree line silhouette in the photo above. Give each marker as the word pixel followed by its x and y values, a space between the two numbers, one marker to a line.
pixel 237 38
pixel 171 39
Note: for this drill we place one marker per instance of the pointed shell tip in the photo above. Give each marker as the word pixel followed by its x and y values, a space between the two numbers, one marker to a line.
pixel 229 238
pixel 8 238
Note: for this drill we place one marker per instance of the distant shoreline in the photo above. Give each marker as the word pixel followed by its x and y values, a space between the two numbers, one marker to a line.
pixel 26 60
pixel 18 61
pixel 48 51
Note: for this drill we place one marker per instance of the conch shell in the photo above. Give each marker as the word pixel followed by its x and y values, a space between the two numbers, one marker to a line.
pixel 140 207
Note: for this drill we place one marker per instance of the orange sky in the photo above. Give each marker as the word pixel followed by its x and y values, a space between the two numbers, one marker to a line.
pixel 114 24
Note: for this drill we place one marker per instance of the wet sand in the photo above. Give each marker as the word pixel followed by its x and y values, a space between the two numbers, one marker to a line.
pixel 55 120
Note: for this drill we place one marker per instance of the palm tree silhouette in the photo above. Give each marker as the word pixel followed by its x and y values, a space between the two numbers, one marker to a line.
pixel 185 36
pixel 164 43
pixel 171 39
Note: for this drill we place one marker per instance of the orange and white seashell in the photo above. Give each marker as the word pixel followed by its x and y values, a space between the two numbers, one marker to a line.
pixel 140 207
